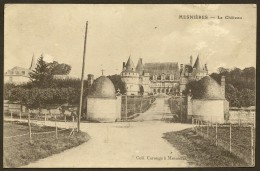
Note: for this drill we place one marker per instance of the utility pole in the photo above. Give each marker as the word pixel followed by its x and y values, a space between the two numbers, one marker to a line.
pixel 82 77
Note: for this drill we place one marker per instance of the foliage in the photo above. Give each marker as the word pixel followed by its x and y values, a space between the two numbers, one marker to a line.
pixel 42 75
pixel 43 98
pixel 7 88
pixel 240 79
pixel 118 83
pixel 60 69
pixel 240 86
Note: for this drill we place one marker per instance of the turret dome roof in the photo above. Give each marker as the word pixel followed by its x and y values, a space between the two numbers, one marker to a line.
pixel 102 87
pixel 208 88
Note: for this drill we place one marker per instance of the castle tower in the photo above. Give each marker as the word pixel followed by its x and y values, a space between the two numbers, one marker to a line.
pixel 130 77
pixel 198 71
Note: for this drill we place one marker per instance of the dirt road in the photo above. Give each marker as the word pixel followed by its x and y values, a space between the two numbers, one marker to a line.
pixel 123 144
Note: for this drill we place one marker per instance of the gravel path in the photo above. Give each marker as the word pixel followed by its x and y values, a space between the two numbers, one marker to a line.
pixel 122 144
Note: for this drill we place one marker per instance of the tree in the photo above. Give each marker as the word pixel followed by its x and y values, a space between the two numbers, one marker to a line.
pixel 59 69
pixel 222 70
pixel 118 83
pixel 42 75
pixel 240 85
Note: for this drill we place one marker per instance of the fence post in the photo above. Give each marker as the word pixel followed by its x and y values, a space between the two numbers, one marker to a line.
pixel 134 104
pixel 11 115
pixel 239 121
pixel 65 121
pixel 30 129
pixel 73 123
pixel 72 131
pixel 252 145
pixel 20 116
pixel 216 134
pixel 201 128
pixel 197 126
pixel 196 123
pixel 141 104
pixel 192 124
pixel 125 107
pixel 45 117
pixel 56 129
pixel 230 138
pixel 208 129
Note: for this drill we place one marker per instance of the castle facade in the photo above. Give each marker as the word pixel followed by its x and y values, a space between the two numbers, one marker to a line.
pixel 167 77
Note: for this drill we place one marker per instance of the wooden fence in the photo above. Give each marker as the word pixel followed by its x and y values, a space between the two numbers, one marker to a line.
pixel 238 139
pixel 178 106
pixel 69 125
pixel 132 106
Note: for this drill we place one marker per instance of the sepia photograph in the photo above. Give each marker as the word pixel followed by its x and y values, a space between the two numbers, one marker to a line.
pixel 129 85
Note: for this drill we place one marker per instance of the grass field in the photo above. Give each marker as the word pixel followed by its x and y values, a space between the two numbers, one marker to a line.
pixel 202 152
pixel 240 139
pixel 18 151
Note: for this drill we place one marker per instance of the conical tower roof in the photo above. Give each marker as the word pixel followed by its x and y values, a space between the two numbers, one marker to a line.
pixel 197 64
pixel 130 65
pixel 140 67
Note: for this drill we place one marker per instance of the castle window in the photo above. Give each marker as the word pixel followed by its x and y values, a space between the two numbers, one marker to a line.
pixel 162 77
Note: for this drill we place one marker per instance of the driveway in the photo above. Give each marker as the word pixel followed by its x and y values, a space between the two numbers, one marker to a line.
pixel 122 144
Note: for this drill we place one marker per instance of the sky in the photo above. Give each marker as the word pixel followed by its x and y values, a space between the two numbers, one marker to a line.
pixel 152 32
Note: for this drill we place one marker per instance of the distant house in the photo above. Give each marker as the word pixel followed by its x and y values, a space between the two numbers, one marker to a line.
pixel 19 75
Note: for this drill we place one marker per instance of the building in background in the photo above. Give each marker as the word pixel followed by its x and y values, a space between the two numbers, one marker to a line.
pixel 189 72
pixel 158 77
pixel 19 75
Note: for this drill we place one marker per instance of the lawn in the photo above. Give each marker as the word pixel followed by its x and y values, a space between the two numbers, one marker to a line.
pixel 18 151
pixel 202 152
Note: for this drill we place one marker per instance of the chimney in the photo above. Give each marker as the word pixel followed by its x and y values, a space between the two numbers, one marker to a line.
pixel 141 60
pixel 90 80
pixel 181 70
pixel 123 66
pixel 223 85
pixel 206 68
pixel 191 60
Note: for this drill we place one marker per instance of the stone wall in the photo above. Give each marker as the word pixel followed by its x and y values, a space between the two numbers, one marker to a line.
pixel 208 110
pixel 103 109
